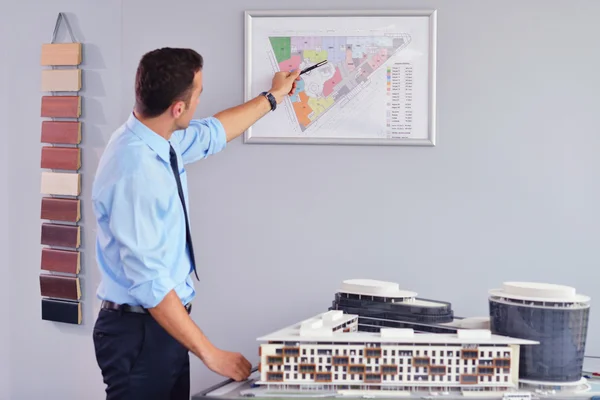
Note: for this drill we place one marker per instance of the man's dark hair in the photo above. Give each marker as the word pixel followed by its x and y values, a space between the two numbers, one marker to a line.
pixel 163 77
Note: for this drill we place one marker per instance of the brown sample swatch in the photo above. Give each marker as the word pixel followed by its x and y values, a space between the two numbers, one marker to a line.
pixel 61 106
pixel 61 80
pixel 61 132
pixel 68 158
pixel 61 183
pixel 67 261
pixel 61 235
pixel 61 54
pixel 62 287
pixel 57 209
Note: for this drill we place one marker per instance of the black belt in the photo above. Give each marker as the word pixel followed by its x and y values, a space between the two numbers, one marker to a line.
pixel 109 305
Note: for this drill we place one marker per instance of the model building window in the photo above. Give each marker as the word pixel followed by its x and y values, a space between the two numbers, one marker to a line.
pixel 303 352
pixel 506 378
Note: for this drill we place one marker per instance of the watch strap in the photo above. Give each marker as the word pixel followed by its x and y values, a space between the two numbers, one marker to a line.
pixel 271 99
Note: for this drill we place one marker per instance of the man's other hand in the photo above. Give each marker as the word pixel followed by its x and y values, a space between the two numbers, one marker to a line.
pixel 284 84
pixel 229 364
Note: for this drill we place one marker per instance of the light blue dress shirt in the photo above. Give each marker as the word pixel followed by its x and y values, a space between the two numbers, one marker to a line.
pixel 140 241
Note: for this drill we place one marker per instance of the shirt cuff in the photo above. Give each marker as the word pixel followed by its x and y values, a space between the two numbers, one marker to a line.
pixel 220 135
pixel 150 293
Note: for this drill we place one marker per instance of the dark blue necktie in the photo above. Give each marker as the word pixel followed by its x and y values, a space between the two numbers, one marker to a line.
pixel 188 236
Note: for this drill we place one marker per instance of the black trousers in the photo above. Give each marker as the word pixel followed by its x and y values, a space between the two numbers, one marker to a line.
pixel 139 359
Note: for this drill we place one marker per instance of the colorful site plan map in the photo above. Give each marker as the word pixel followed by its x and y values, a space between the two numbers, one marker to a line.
pixel 351 60
pixel 376 85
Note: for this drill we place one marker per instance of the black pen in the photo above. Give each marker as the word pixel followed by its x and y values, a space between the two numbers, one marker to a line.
pixel 317 65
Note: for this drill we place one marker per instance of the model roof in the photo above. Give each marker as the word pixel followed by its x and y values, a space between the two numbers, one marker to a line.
pixel 322 332
pixel 542 292
pixel 372 287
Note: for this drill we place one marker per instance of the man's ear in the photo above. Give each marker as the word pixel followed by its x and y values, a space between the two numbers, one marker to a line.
pixel 178 109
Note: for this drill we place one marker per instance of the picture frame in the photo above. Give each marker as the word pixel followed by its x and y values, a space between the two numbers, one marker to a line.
pixel 378 86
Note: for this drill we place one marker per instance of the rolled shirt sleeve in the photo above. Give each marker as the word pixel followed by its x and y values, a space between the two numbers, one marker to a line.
pixel 139 228
pixel 203 137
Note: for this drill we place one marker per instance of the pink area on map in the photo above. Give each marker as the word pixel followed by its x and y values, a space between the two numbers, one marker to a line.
pixel 330 83
pixel 349 61
pixel 290 63
pixel 379 58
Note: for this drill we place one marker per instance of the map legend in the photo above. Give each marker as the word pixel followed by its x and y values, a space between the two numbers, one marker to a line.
pixel 399 91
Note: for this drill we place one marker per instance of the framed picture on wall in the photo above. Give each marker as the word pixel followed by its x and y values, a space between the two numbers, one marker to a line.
pixel 374 83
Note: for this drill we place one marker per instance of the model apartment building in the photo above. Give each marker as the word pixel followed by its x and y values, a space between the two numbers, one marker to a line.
pixel 328 351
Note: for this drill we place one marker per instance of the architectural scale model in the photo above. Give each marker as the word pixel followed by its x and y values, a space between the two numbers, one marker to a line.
pixel 554 315
pixel 534 347
pixel 383 304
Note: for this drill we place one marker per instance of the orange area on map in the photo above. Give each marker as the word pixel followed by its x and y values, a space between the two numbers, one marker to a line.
pixel 330 83
pixel 290 64
pixel 302 109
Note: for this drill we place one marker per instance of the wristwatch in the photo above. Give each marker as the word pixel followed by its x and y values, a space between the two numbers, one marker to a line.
pixel 271 99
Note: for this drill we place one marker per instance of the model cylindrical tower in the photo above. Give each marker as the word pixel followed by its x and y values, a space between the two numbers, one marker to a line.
pixel 555 316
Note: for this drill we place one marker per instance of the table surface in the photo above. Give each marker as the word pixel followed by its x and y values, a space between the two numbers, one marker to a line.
pixel 230 390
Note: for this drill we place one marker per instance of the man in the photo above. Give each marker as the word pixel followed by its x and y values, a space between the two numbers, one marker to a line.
pixel 144 250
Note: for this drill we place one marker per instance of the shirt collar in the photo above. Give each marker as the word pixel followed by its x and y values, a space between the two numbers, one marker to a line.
pixel 156 142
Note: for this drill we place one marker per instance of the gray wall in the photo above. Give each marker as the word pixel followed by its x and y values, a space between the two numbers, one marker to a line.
pixel 4 207
pixel 509 193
